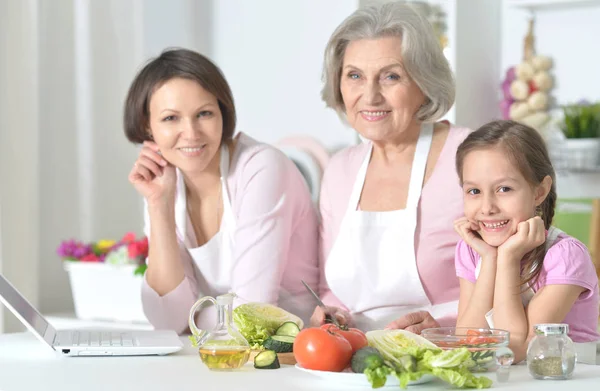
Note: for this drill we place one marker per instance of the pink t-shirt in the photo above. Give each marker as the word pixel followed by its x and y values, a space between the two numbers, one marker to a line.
pixel 435 240
pixel 275 242
pixel 567 261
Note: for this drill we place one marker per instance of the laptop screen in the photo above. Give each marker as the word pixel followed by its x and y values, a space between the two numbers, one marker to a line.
pixel 22 306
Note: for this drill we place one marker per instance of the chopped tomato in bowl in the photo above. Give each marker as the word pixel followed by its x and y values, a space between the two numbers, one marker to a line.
pixel 482 343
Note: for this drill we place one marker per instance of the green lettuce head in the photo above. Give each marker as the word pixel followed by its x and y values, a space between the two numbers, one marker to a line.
pixel 258 321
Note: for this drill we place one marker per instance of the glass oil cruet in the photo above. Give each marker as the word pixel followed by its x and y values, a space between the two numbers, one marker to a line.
pixel 224 348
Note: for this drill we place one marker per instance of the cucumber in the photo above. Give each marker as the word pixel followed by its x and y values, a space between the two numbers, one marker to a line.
pixel 280 343
pixel 266 359
pixel 365 358
pixel 288 328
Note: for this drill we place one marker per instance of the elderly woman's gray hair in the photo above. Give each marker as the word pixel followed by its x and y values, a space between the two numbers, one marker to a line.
pixel 422 55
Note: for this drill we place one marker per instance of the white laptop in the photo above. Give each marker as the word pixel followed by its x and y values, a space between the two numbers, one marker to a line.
pixel 87 342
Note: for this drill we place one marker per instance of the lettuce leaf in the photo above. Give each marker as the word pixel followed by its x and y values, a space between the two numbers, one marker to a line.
pixel 394 344
pixel 400 349
pixel 378 376
pixel 405 377
pixel 449 358
pixel 258 321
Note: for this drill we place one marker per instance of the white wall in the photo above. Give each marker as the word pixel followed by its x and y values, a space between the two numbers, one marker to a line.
pixel 567 34
pixel 271 52
pixel 19 149
pixel 477 39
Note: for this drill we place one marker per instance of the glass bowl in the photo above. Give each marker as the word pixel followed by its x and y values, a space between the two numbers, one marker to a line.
pixel 482 343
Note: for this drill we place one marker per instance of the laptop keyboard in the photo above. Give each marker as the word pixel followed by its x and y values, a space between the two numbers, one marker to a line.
pixel 106 338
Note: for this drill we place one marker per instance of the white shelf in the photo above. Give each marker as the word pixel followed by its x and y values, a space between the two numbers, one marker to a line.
pixel 578 184
pixel 541 5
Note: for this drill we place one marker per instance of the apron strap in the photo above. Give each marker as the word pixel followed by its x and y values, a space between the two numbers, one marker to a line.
pixel 553 233
pixel 417 172
pixel 224 167
pixel 181 209
pixel 360 181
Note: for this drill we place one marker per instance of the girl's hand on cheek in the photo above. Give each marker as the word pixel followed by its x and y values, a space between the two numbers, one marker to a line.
pixel 530 234
pixel 468 231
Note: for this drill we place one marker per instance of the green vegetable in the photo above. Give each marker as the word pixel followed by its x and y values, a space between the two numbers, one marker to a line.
pixel 409 357
pixel 378 376
pixel 406 377
pixel 449 358
pixel 462 377
pixel 407 363
pixel 266 360
pixel 280 343
pixel 288 328
pixel 258 321
pixel 366 358
pixel 394 344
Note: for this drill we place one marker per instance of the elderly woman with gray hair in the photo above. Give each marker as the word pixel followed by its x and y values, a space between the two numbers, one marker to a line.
pixel 388 205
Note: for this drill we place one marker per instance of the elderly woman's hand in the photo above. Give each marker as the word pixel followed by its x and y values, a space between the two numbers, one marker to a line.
pixel 414 322
pixel 343 317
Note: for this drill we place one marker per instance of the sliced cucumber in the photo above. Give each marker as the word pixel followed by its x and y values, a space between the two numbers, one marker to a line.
pixel 288 328
pixel 280 343
pixel 266 359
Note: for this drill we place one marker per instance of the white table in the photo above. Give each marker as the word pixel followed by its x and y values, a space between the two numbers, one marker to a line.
pixel 27 364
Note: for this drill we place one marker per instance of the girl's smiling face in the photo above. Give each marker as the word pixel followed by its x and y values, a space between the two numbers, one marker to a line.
pixel 497 197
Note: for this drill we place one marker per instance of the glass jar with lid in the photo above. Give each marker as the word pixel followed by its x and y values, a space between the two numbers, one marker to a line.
pixel 551 353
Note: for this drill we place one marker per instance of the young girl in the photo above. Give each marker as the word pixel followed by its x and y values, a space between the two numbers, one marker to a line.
pixel 516 270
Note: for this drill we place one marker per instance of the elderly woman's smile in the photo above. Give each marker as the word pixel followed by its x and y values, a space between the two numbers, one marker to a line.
pixel 374 115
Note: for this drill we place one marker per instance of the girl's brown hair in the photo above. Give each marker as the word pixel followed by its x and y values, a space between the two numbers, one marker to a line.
pixel 175 63
pixel 527 151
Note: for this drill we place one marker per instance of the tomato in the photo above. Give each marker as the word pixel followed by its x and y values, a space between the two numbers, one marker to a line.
pixel 322 350
pixel 475 337
pixel 357 338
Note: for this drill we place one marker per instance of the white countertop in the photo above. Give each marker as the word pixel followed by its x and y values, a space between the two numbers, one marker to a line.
pixel 27 364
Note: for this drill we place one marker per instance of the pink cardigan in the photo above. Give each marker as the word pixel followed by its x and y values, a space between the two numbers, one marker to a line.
pixel 275 242
pixel 435 241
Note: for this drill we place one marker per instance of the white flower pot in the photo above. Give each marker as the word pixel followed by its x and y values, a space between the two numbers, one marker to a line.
pixel 583 153
pixel 106 292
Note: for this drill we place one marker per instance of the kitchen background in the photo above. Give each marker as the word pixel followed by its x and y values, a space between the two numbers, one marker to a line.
pixel 65 66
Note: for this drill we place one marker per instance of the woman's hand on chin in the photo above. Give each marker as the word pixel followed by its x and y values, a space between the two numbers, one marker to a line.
pixel 152 176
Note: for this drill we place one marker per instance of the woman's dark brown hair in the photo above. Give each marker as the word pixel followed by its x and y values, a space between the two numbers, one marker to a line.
pixel 175 63
pixel 527 151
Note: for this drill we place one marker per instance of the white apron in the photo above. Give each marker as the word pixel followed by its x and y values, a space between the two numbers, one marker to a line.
pixel 527 294
pixel 372 267
pixel 214 259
